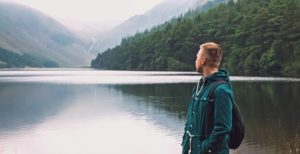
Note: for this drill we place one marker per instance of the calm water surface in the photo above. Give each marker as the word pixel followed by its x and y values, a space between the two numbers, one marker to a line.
pixel 84 111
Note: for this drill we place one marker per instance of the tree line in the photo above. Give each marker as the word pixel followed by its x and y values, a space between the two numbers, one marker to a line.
pixel 256 36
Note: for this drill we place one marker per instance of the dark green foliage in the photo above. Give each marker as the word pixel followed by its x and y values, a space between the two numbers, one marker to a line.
pixel 257 37
pixel 11 59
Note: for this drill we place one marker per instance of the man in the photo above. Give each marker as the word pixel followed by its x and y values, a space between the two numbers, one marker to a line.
pixel 208 124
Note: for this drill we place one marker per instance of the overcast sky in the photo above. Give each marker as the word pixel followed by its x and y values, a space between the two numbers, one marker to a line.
pixel 91 10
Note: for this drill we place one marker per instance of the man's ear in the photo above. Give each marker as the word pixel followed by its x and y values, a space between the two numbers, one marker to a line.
pixel 203 60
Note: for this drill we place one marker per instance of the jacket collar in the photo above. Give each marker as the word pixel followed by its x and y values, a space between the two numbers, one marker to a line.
pixel 221 74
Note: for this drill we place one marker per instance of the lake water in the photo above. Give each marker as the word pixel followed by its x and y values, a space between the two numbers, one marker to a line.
pixel 86 111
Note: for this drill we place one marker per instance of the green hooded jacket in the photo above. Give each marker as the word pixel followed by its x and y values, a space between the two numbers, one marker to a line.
pixel 208 124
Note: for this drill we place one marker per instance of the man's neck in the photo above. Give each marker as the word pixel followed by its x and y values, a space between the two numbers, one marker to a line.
pixel 207 72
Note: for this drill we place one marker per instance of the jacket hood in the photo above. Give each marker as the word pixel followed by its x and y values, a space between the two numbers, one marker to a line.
pixel 221 74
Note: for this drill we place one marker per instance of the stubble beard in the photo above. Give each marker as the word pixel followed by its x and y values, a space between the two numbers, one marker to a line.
pixel 199 69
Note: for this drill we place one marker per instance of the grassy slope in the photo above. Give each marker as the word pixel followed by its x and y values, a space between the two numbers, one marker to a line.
pixel 24 30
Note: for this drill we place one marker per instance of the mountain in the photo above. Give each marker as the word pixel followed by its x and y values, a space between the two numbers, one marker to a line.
pixel 31 38
pixel 157 15
pixel 257 38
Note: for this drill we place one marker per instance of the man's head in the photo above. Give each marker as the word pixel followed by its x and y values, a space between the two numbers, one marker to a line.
pixel 208 57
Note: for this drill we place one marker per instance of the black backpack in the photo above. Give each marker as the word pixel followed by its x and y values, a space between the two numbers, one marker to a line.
pixel 237 132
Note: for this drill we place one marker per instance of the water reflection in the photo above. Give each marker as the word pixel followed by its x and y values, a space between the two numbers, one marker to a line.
pixel 60 118
pixel 270 111
pixel 26 104
pixel 76 119
pixel 164 104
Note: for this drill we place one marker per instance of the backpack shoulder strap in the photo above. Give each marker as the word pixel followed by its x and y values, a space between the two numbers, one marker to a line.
pixel 213 88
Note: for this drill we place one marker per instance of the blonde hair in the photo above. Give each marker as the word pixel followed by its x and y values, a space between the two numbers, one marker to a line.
pixel 213 53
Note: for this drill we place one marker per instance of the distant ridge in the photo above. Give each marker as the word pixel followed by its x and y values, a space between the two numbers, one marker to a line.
pixel 27 31
pixel 157 15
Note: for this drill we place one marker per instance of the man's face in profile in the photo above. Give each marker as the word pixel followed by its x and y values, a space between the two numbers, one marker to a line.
pixel 198 62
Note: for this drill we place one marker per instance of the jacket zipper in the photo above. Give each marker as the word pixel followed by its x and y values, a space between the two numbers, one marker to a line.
pixel 198 92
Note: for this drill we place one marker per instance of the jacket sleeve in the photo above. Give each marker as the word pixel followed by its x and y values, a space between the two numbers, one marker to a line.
pixel 184 134
pixel 186 123
pixel 222 119
pixel 185 128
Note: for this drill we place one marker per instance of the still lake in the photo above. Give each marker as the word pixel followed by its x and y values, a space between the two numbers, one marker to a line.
pixel 86 111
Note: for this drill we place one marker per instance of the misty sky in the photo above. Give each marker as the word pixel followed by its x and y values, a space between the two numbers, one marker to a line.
pixel 91 10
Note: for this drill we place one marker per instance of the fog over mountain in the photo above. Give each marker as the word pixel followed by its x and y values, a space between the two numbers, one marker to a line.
pixel 31 38
pixel 157 15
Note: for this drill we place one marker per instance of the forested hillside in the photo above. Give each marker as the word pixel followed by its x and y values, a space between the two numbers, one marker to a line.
pixel 155 16
pixel 257 37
